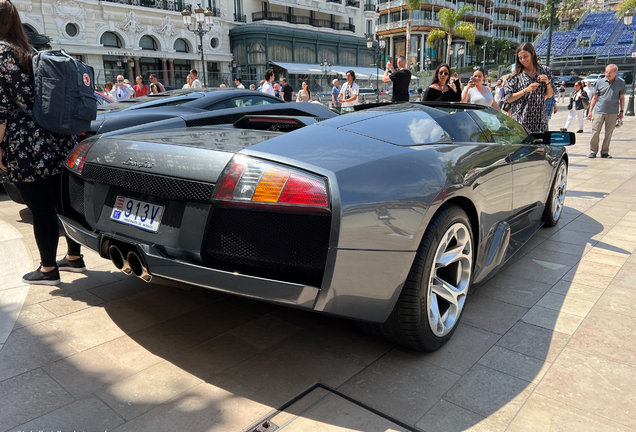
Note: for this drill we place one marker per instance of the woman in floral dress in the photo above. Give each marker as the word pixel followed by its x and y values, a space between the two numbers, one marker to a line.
pixel 32 157
pixel 528 88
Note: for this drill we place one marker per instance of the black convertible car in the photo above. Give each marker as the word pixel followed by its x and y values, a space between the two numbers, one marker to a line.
pixel 388 215
pixel 175 103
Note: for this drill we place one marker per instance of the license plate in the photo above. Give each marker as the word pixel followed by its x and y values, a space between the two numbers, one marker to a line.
pixel 137 213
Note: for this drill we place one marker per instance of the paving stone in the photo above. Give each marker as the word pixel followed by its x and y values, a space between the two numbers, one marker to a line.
pixel 567 304
pixel 515 364
pixel 410 386
pixel 552 319
pixel 593 384
pixel 32 314
pixel 534 341
pixel 301 405
pixel 626 277
pixel 541 414
pixel 537 270
pixel 141 392
pixel 86 372
pixel 265 331
pixel 28 396
pixel 514 290
pixel 460 353
pixel 86 414
pixel 490 393
pixel 66 305
pixel 568 248
pixel 617 299
pixel 214 356
pixel 491 315
pixel 575 237
pixel 30 348
pixel 448 417
pixel 91 327
pixel 11 302
pixel 597 257
pixel 607 335
pixel 578 291
pixel 205 407
pixel 165 302
pixel 121 288
pixel 581 276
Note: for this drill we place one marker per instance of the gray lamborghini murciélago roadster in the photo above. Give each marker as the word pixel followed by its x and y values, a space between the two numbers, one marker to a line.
pixel 388 215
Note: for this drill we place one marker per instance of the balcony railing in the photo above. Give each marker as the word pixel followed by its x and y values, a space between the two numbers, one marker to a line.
pixel 294 19
pixel 506 22
pixel 369 7
pixel 479 14
pixel 530 15
pixel 506 5
pixel 177 6
pixel 353 3
pixel 334 1
pixel 240 18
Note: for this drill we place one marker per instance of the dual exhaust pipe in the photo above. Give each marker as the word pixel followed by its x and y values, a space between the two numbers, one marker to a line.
pixel 130 264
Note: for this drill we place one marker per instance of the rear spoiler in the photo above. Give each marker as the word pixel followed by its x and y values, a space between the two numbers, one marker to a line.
pixel 276 123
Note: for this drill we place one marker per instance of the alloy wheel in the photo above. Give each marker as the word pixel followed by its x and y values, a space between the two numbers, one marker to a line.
pixel 558 193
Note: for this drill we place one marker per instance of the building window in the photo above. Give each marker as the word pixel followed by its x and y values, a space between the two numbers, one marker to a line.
pixel 148 43
pixel 256 53
pixel 280 52
pixel 214 42
pixel 239 53
pixel 366 59
pixel 369 27
pixel 328 54
pixel 71 29
pixel 347 58
pixel 182 46
pixel 305 55
pixel 110 39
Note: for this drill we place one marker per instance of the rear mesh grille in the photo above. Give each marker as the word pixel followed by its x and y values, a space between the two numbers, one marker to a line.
pixel 293 245
pixel 150 184
pixel 76 194
pixel 231 118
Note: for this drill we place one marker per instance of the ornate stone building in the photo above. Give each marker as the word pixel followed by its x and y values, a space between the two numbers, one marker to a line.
pixel 134 37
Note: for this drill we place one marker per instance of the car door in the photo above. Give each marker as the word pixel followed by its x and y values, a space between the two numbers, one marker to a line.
pixel 531 169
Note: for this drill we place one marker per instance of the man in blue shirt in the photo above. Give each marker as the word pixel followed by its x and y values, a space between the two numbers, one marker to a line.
pixel 550 107
pixel 335 91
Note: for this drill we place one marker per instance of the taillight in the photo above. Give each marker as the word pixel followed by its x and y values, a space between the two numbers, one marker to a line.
pixel 254 181
pixel 76 158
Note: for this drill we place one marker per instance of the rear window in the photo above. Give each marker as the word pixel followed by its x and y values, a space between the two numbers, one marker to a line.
pixel 502 128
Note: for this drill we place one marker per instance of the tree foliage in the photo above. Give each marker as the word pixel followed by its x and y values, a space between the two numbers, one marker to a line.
pixel 452 25
pixel 412 6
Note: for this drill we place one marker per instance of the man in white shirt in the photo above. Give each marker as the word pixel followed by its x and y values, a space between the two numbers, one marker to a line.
pixel 267 85
pixel 196 84
pixel 239 83
pixel 591 91
pixel 349 92
pixel 121 91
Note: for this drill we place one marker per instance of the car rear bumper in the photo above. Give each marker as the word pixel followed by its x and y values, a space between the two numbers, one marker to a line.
pixel 358 284
pixel 191 274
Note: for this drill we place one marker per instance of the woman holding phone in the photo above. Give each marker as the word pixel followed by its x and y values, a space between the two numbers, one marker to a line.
pixel 476 93
pixel 528 88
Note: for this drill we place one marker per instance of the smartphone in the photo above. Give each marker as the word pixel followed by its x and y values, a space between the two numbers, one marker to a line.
pixel 471 80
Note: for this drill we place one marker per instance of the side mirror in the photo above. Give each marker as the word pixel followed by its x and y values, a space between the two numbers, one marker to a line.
pixel 559 138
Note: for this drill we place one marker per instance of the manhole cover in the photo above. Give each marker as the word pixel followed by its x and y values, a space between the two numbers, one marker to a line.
pixel 323 409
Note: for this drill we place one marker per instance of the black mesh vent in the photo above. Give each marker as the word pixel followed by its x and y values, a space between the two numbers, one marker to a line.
pixel 293 245
pixel 150 184
pixel 231 118
pixel 76 194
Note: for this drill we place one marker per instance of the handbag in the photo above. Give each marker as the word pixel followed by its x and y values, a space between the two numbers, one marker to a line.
pixel 570 105
pixel 506 106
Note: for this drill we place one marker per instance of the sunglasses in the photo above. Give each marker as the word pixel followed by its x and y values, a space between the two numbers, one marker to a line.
pixel 444 73
pixel 120 80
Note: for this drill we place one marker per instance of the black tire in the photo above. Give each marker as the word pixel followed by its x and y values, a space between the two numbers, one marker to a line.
pixel 409 323
pixel 556 198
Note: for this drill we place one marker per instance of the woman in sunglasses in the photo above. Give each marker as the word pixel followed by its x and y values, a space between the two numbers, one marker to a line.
pixel 578 100
pixel 442 88
pixel 477 93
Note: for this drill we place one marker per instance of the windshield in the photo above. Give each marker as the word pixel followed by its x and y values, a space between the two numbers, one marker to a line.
pixel 155 97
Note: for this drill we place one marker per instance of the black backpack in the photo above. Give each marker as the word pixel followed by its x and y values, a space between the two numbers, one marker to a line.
pixel 64 98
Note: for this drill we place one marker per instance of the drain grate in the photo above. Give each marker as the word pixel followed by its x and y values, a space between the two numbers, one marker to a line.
pixel 321 404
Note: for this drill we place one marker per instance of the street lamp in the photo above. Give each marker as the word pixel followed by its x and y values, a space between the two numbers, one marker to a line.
pixel 325 67
pixel 627 20
pixel 202 16
pixel 427 62
pixel 460 52
pixel 376 52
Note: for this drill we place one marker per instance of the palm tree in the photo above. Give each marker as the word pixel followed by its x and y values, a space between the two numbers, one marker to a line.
pixel 544 17
pixel 452 25
pixel 570 11
pixel 412 6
